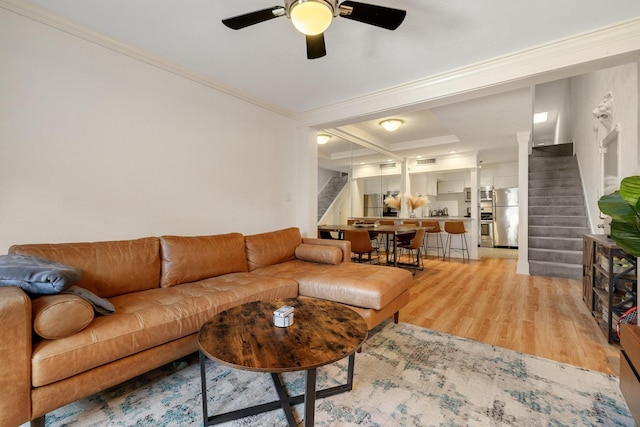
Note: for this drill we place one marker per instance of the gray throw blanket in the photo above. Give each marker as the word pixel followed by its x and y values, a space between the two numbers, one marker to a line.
pixel 37 275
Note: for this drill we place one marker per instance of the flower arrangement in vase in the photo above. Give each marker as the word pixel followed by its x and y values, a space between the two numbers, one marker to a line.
pixel 416 202
pixel 393 201
pixel 413 202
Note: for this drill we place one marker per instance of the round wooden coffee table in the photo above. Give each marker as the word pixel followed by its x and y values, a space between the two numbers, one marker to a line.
pixel 244 337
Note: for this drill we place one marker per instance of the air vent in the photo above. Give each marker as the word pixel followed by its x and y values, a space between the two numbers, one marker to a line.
pixel 426 161
pixel 387 165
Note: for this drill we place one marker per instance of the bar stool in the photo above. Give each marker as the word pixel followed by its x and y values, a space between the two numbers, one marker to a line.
pixel 433 227
pixel 456 227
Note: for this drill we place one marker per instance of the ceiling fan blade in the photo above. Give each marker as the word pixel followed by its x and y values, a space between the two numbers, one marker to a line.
pixel 242 21
pixel 379 16
pixel 315 46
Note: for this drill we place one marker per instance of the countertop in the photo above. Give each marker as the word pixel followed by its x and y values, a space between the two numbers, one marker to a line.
pixel 432 218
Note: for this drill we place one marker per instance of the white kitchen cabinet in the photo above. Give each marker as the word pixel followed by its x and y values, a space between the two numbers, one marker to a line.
pixel 432 186
pixel 450 187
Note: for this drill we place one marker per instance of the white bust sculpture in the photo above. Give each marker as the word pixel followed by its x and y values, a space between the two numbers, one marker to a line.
pixel 604 111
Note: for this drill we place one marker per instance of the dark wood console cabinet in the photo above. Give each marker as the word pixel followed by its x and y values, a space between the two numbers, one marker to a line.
pixel 609 282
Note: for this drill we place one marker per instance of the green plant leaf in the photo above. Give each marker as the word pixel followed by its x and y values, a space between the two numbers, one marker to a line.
pixel 617 208
pixel 630 190
pixel 627 236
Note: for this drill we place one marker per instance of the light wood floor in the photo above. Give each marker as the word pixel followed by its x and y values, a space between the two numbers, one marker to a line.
pixel 485 300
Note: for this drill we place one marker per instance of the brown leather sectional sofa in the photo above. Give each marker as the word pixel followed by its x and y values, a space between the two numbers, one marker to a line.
pixel 163 290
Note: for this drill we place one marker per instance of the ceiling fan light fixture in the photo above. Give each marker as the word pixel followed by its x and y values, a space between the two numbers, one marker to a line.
pixel 391 125
pixel 311 17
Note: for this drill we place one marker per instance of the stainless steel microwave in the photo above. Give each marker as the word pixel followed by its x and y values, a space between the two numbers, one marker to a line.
pixel 486 194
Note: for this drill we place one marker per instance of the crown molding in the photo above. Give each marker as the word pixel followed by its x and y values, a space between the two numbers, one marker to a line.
pixel 53 20
pixel 573 55
pixel 577 54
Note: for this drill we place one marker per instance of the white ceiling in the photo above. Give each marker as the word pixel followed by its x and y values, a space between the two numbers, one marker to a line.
pixel 268 61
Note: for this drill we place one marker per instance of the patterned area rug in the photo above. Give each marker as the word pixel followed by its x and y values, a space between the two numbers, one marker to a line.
pixel 405 376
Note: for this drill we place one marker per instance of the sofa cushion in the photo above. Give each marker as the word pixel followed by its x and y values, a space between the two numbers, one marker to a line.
pixel 361 285
pixel 150 318
pixel 108 268
pixel 272 248
pixel 188 259
pixel 100 305
pixel 36 275
pixel 60 316
pixel 319 254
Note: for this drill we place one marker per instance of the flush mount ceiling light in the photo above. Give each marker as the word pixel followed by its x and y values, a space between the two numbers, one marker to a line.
pixel 323 138
pixel 391 125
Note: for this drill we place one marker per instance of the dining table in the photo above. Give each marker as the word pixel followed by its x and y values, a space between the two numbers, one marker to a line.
pixel 388 230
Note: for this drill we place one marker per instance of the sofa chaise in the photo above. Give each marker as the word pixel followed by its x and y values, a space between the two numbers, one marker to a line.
pixel 54 349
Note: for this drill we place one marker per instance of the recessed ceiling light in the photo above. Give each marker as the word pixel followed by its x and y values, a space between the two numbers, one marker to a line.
pixel 418 157
pixel 452 152
pixel 540 117
pixel 391 125
pixel 323 138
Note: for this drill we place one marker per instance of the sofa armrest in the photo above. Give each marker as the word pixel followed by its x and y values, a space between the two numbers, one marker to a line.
pixel 343 245
pixel 15 356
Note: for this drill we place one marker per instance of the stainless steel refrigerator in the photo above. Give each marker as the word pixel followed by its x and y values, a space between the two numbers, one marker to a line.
pixel 505 217
pixel 373 205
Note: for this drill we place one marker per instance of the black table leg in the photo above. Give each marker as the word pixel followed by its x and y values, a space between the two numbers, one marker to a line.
pixel 310 398
pixel 285 402
pixel 203 383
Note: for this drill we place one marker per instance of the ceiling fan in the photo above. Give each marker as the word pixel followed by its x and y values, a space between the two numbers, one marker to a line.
pixel 313 17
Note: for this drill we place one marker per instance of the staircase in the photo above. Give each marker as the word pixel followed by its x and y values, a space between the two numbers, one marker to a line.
pixel 329 193
pixel 557 213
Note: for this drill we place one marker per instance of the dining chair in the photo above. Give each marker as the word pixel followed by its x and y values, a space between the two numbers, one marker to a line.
pixel 386 237
pixel 414 246
pixel 405 238
pixel 361 244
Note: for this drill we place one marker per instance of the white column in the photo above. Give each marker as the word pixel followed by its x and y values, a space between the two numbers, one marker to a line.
pixel 306 205
pixel 474 224
pixel 523 139
pixel 405 188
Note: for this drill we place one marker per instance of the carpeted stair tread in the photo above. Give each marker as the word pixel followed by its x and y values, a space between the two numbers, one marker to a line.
pixel 555 269
pixel 554 210
pixel 550 183
pixel 555 191
pixel 558 220
pixel 560 243
pixel 557 231
pixel 557 201
pixel 561 256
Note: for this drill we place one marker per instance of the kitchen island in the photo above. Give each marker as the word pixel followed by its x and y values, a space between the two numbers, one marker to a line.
pixel 470 225
pixel 441 218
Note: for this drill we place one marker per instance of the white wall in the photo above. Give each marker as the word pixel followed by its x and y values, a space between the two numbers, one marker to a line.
pixel 96 145
pixel 588 90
